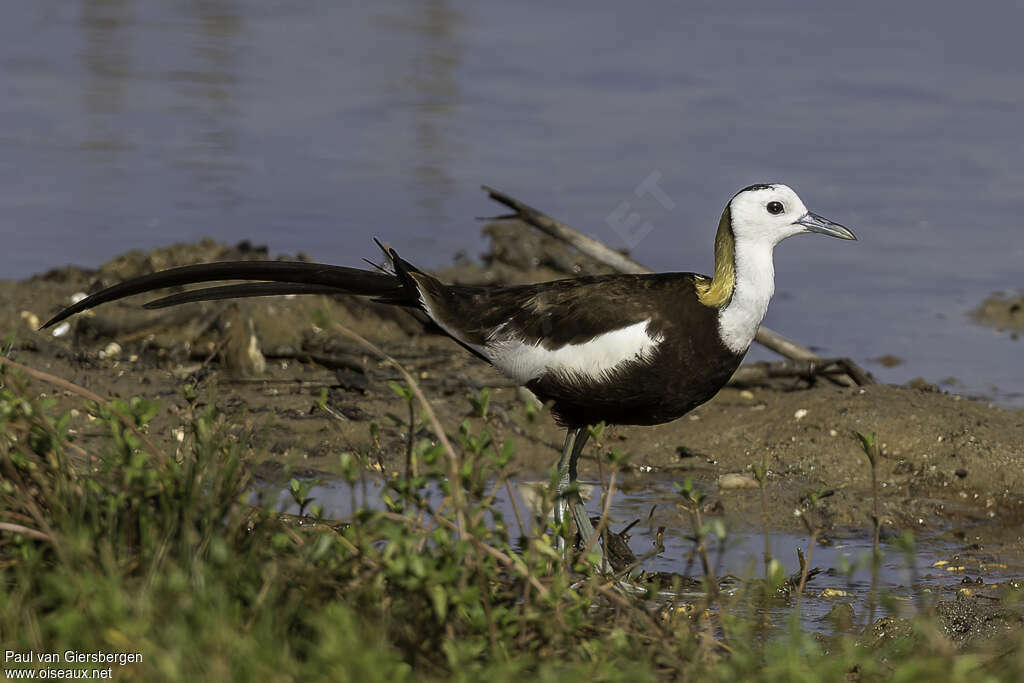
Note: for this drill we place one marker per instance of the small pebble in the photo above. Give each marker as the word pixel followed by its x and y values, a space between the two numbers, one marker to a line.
pixel 62 329
pixel 31 320
pixel 735 480
pixel 77 296
pixel 111 350
pixel 800 414
pixel 747 393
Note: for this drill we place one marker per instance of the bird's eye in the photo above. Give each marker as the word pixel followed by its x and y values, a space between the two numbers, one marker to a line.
pixel 775 208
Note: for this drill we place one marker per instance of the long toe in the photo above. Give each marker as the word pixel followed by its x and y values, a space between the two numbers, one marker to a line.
pixel 584 527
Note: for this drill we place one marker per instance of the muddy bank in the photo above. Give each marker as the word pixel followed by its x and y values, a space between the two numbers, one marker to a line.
pixel 948 464
pixel 1002 311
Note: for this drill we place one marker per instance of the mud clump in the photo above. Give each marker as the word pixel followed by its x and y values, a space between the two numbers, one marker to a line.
pixel 1002 311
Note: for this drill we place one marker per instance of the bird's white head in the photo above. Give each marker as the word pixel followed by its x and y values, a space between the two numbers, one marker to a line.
pixel 758 218
pixel 768 214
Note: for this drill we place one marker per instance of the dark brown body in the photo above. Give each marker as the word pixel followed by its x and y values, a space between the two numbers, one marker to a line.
pixel 688 367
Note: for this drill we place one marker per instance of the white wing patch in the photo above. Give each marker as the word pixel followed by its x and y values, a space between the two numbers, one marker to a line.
pixel 592 359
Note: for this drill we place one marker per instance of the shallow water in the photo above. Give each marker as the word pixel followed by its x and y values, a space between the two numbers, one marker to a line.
pixel 904 581
pixel 314 126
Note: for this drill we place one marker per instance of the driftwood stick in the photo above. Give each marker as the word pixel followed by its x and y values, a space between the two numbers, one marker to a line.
pixel 805 369
pixel 331 361
pixel 561 231
pixel 623 264
pixel 857 373
pixel 783 346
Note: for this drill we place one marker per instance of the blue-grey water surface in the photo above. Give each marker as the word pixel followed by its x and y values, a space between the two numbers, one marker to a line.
pixel 314 126
pixel 844 562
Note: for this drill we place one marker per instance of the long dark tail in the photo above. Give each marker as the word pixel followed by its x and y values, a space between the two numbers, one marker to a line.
pixel 277 277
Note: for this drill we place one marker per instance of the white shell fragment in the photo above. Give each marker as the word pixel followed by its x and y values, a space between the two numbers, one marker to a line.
pixel 111 350
pixel 31 320
pixel 735 480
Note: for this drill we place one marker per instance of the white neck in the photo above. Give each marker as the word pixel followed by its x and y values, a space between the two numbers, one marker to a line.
pixel 755 283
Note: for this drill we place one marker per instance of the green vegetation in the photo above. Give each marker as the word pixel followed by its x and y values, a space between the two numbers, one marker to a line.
pixel 125 549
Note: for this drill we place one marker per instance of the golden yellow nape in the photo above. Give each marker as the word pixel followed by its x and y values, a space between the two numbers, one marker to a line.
pixel 717 291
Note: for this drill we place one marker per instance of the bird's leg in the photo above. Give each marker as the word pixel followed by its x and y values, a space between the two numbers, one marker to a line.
pixel 572 434
pixel 575 439
pixel 579 510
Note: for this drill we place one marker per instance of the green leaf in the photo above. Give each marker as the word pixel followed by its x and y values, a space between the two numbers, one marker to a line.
pixel 869 442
